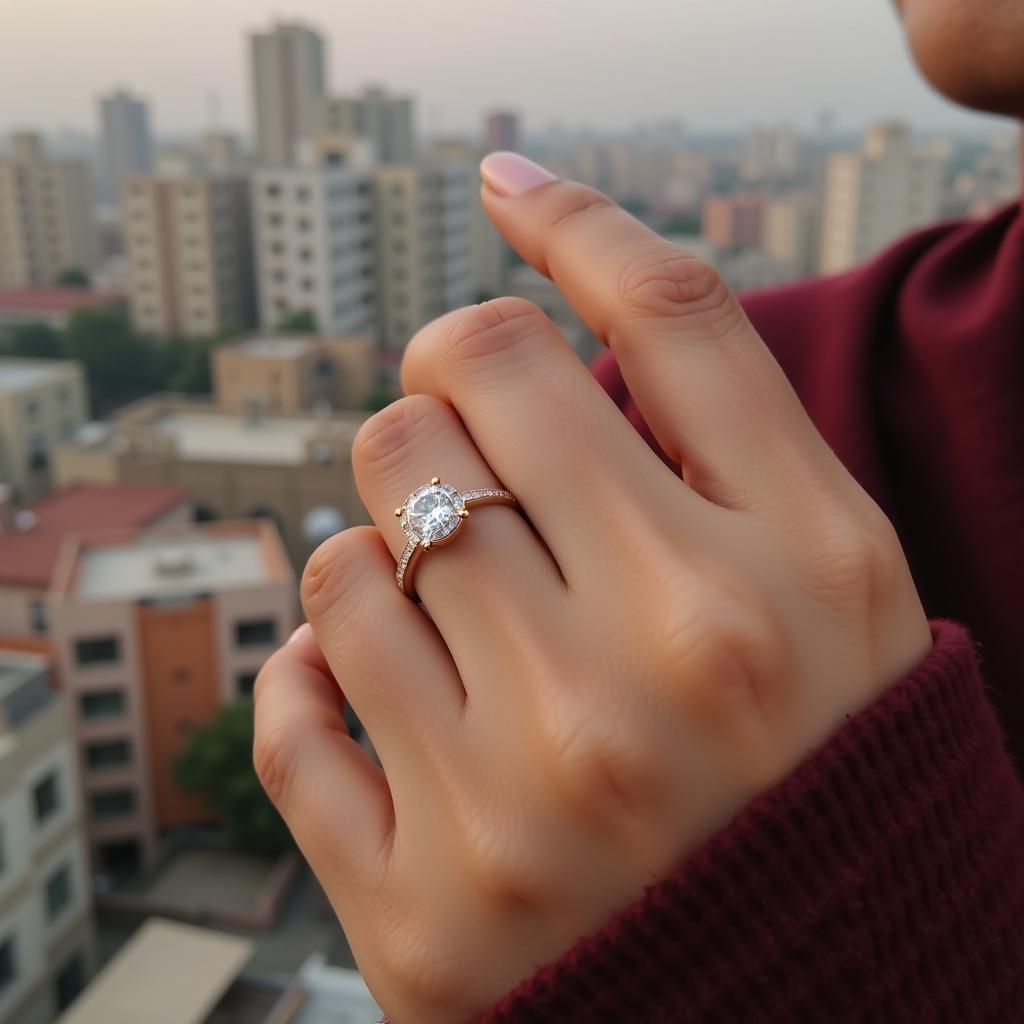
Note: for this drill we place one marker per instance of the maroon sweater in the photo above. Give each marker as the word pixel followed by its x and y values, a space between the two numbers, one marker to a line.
pixel 884 879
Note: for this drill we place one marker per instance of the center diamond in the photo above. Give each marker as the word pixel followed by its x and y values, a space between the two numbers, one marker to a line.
pixel 432 513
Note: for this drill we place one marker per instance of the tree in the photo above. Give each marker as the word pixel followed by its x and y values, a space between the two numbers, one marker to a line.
pixel 73 277
pixel 682 224
pixel 217 765
pixel 302 321
pixel 36 341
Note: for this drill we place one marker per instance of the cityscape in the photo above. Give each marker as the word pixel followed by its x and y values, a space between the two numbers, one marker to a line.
pixel 192 331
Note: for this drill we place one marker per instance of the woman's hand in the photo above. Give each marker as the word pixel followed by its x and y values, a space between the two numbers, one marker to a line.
pixel 586 697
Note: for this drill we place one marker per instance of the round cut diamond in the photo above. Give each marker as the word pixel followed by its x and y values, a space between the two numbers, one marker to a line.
pixel 432 513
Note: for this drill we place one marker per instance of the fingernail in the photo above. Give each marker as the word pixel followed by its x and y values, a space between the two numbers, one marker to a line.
pixel 299 633
pixel 510 174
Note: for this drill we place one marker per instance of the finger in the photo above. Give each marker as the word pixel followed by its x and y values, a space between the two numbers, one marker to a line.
pixel 332 796
pixel 482 588
pixel 386 655
pixel 546 426
pixel 712 393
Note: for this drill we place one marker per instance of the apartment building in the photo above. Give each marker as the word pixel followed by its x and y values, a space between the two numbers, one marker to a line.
pixel 791 233
pixel 42 402
pixel 126 144
pixel 46 224
pixel 288 79
pixel 188 243
pixel 293 374
pixel 734 221
pixel 875 195
pixel 47 947
pixel 424 225
pixel 386 122
pixel 501 131
pixel 314 246
pixel 31 537
pixel 153 630
pixel 295 469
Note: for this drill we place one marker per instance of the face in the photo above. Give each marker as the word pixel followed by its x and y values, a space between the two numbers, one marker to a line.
pixel 970 50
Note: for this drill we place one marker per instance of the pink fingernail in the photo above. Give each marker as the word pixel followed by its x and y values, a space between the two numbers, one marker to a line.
pixel 299 633
pixel 510 174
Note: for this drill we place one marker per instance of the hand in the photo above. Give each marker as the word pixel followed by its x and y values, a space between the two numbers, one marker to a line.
pixel 584 698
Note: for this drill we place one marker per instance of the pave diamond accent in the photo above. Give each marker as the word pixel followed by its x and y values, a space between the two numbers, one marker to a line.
pixel 485 492
pixel 432 513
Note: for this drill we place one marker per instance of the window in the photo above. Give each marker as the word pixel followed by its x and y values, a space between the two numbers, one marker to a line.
pixel 255 632
pixel 113 803
pixel 108 754
pixel 37 613
pixel 102 704
pixel 46 798
pixel 246 683
pixel 58 892
pixel 8 963
pixel 70 981
pixel 273 190
pixel 98 650
pixel 31 409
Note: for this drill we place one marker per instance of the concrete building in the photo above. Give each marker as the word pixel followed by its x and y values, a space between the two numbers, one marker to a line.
pixel 126 145
pixel 188 241
pixel 792 233
pixel 47 946
pixel 46 224
pixel 153 630
pixel 281 374
pixel 314 246
pixel 734 221
pixel 424 246
pixel 289 78
pixel 875 195
pixel 501 131
pixel 31 538
pixel 386 122
pixel 294 469
pixel 42 402
pixel 50 306
pixel 771 154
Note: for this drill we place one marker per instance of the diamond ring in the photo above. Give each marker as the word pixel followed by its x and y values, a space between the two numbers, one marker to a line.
pixel 431 516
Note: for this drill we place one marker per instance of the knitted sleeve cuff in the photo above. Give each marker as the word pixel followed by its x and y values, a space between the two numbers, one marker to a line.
pixel 882 880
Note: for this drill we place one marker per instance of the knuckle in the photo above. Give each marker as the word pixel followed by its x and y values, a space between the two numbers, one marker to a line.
pixel 497 862
pixel 423 972
pixel 667 283
pixel 338 569
pixel 384 437
pixel 576 202
pixel 491 328
pixel 275 753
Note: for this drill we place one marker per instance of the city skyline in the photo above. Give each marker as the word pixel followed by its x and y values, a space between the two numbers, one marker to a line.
pixel 461 59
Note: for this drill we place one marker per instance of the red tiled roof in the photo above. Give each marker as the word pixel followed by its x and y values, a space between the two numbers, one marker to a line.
pixel 54 300
pixel 28 557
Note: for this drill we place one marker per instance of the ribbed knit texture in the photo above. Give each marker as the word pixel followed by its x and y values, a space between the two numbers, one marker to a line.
pixel 882 881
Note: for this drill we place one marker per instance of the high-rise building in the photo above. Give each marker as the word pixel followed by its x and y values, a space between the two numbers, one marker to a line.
pixel 126 146
pixel 424 245
pixel 876 194
pixel 501 131
pixel 153 630
pixel 47 944
pixel 188 242
pixel 386 122
pixel 771 154
pixel 314 246
pixel 47 226
pixel 734 221
pixel 792 233
pixel 289 78
pixel 42 402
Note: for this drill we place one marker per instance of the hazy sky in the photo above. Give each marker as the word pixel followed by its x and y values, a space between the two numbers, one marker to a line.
pixel 713 63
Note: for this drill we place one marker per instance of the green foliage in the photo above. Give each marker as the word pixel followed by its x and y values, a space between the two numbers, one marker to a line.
pixel 635 205
pixel 73 277
pixel 36 341
pixel 217 765
pixel 302 321
pixel 682 224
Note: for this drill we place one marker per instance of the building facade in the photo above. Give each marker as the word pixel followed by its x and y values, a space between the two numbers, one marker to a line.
pixel 734 221
pixel 314 247
pixel 46 225
pixel 289 78
pixel 188 242
pixel 386 122
pixel 47 946
pixel 792 233
pixel 126 145
pixel 874 196
pixel 501 131
pixel 42 402
pixel 153 631
pixel 51 306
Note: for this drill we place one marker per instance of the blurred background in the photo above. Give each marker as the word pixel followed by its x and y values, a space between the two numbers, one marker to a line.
pixel 219 226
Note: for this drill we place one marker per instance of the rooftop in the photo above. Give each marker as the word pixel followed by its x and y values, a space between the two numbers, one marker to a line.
pixel 28 552
pixel 168 973
pixel 173 563
pixel 54 300
pixel 19 374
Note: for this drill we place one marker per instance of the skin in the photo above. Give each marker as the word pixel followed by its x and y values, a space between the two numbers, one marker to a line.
pixel 589 690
